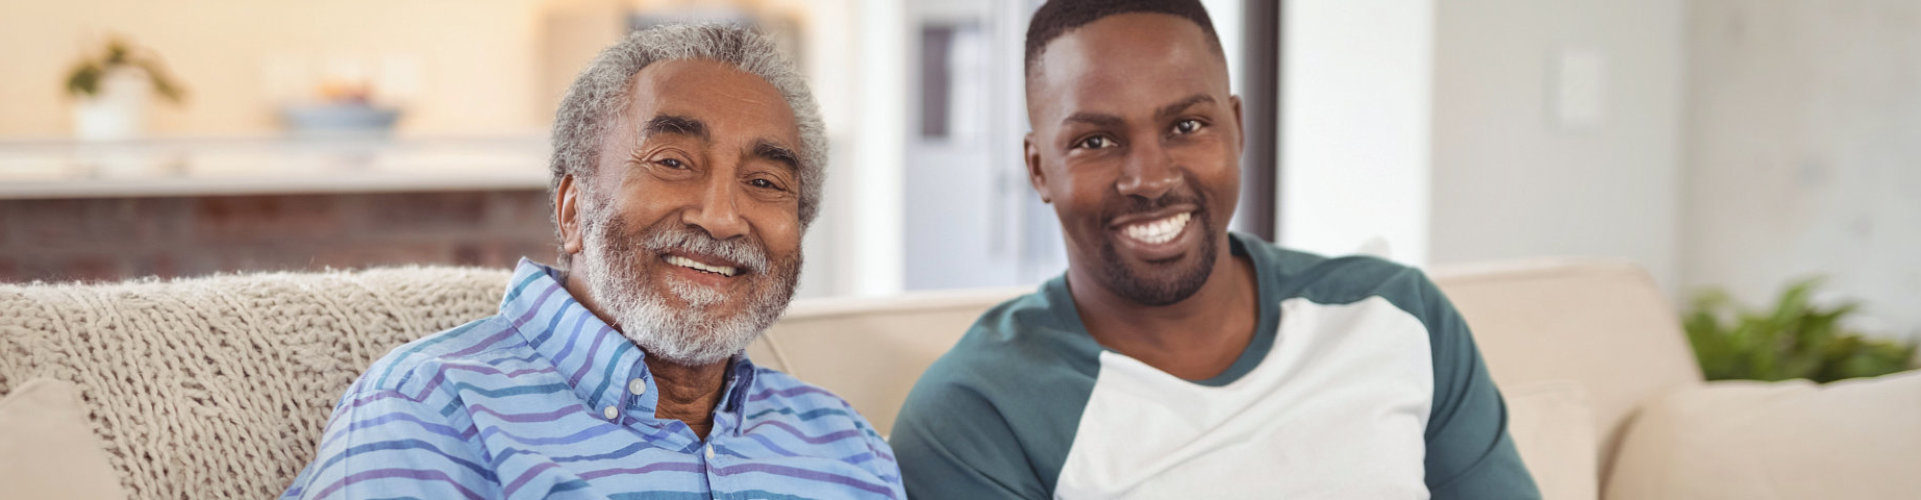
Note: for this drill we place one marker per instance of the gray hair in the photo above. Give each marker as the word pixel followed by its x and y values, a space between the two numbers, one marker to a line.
pixel 591 106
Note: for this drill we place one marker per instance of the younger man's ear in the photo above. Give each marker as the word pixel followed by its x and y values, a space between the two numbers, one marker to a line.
pixel 1240 127
pixel 567 214
pixel 1032 154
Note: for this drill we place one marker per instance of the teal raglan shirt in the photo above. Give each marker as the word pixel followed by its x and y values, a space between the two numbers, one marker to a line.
pixel 1362 381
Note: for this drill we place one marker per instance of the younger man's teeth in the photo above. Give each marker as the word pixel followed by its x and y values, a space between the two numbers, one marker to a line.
pixel 1158 231
pixel 691 264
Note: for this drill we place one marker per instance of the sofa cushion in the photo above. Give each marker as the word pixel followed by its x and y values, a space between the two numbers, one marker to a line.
pixel 1858 439
pixel 47 450
pixel 1553 429
pixel 219 387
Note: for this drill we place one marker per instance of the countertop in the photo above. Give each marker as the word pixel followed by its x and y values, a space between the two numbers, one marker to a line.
pixel 219 166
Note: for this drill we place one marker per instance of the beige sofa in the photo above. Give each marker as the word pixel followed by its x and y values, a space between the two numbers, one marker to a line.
pixel 218 387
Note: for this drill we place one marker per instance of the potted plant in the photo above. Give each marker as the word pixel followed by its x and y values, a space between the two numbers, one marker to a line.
pixel 111 90
pixel 1797 339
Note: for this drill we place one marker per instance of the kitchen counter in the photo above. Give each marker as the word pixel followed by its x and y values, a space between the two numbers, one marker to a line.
pixel 65 169
pixel 191 206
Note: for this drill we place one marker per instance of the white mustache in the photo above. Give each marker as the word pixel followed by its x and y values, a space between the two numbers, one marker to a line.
pixel 745 256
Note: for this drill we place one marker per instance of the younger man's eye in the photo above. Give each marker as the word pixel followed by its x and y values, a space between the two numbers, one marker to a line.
pixel 1096 142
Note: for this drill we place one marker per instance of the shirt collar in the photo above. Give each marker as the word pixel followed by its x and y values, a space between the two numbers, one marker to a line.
pixel 594 358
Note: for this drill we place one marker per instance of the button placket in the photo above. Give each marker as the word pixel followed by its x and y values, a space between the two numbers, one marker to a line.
pixel 631 393
pixel 636 386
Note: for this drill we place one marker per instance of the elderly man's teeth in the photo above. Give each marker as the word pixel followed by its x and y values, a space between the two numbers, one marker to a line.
pixel 691 264
pixel 1158 231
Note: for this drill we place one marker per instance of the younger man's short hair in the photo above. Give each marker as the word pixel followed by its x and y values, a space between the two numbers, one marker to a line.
pixel 1058 17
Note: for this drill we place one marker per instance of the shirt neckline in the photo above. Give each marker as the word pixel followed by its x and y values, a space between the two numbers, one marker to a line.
pixel 593 358
pixel 1266 327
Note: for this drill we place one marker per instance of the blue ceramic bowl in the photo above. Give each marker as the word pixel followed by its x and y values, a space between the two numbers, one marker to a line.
pixel 339 119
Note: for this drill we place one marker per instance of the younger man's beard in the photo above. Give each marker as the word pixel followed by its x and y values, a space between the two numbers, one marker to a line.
pixel 1167 286
pixel 611 258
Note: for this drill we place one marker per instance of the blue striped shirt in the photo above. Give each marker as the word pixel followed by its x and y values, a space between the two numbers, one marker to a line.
pixel 545 400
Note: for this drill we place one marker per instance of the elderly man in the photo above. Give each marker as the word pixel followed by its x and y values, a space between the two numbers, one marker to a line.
pixel 687 163
pixel 1176 360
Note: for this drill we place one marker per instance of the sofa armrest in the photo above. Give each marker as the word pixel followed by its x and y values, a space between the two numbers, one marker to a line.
pixel 1857 438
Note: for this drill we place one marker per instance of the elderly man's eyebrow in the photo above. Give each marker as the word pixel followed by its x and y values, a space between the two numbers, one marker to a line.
pixel 674 124
pixel 769 150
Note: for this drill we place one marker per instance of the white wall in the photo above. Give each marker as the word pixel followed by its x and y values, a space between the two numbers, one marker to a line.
pixel 871 233
pixel 1512 178
pixel 1429 125
pixel 1731 143
pixel 1356 104
pixel 1806 151
pixel 1228 17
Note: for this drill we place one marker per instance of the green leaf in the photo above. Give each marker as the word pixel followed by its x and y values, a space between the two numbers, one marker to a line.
pixel 162 84
pixel 1795 339
pixel 84 80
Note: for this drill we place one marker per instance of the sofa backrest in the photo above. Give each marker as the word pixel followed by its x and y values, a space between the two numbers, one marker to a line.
pixel 219 386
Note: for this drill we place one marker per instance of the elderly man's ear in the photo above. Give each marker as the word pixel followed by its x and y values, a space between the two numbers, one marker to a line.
pixel 567 215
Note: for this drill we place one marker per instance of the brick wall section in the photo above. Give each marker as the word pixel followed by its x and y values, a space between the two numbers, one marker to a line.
pixel 120 238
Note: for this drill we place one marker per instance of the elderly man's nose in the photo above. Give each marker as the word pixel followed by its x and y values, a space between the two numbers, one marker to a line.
pixel 718 212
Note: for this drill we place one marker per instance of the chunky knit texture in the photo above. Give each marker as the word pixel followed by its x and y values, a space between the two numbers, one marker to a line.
pixel 219 387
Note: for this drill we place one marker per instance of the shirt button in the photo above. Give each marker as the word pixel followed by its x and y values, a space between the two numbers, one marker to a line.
pixel 710 452
pixel 637 387
pixel 610 412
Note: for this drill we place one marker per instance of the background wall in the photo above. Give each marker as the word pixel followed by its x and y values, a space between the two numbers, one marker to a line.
pixel 1718 143
pixel 1355 125
pixel 454 66
pixel 477 56
pixel 1431 131
pixel 1518 170
pixel 1805 151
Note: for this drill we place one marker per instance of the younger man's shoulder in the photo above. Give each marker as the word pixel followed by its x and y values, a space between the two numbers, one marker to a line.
pixel 1041 328
pixel 1028 353
pixel 1341 279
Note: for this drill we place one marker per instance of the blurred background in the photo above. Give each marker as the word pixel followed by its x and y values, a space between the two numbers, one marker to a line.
pixel 1735 145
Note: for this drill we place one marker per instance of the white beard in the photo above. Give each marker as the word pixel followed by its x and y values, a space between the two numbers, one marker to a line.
pixel 686 336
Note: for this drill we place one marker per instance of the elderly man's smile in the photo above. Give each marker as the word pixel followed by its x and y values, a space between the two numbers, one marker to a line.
pixel 701 269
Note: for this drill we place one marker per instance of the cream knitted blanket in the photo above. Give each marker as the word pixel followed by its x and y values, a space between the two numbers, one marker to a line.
pixel 218 387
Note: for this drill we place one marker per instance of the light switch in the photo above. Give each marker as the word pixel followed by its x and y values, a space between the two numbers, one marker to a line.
pixel 1580 88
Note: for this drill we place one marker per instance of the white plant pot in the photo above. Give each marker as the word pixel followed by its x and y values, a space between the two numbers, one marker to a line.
pixel 119 111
